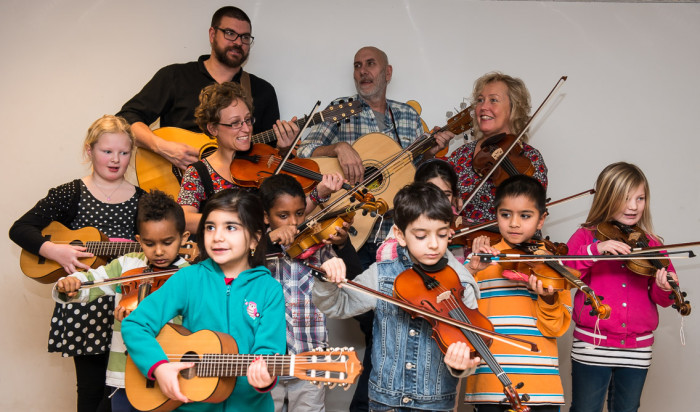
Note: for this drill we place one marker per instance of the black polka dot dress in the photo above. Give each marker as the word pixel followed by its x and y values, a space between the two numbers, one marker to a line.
pixel 86 328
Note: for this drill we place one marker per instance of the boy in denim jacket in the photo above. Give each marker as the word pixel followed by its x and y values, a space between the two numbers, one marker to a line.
pixel 410 372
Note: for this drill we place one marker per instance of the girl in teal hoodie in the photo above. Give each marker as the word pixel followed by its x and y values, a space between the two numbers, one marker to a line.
pixel 231 292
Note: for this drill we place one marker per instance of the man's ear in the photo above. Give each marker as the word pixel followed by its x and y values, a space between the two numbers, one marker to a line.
pixel 212 33
pixel 389 72
pixel 399 236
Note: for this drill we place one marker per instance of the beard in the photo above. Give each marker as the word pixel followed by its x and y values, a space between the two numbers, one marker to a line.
pixel 378 86
pixel 221 54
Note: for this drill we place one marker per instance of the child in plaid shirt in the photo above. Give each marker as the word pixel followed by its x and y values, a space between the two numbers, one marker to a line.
pixel 285 203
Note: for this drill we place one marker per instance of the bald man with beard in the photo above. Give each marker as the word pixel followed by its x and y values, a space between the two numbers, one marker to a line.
pixel 372 74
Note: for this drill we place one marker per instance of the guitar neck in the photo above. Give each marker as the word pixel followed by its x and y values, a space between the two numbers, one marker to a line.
pixel 269 135
pixel 112 249
pixel 225 365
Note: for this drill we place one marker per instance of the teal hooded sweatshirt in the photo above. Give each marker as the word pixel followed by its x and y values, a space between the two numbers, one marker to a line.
pixel 251 310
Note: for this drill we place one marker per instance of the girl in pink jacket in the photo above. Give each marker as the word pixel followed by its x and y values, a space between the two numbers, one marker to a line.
pixel 613 356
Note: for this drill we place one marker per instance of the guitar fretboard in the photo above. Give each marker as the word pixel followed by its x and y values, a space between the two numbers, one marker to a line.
pixel 334 113
pixel 112 249
pixel 226 365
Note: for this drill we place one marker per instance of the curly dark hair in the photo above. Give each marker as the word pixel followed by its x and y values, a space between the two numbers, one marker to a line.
pixel 216 97
pixel 155 206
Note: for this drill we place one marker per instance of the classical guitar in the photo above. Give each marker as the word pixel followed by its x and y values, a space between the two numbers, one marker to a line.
pixel 155 172
pixel 387 167
pixel 48 271
pixel 217 364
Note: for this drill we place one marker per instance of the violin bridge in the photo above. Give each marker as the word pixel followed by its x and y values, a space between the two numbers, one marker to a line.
pixel 496 154
pixel 443 296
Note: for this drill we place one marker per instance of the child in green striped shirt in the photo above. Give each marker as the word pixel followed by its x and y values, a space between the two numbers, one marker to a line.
pixel 160 228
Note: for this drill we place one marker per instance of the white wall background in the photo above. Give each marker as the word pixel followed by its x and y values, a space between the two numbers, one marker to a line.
pixel 631 95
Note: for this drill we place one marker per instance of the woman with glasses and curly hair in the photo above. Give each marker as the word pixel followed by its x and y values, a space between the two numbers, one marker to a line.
pixel 224 114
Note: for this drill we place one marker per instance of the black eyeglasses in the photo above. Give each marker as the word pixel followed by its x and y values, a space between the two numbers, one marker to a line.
pixel 231 35
pixel 237 125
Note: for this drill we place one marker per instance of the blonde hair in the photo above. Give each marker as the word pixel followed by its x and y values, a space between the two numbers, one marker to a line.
pixel 106 124
pixel 519 98
pixel 216 97
pixel 613 186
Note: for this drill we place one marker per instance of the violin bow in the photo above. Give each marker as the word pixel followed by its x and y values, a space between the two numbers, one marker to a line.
pixel 638 254
pixel 559 83
pixel 309 118
pixel 480 226
pixel 141 276
pixel 147 275
pixel 319 273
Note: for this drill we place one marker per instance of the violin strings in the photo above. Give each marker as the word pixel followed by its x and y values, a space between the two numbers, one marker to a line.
pixel 477 343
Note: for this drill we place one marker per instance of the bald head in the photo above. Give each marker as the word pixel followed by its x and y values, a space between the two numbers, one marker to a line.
pixel 372 74
pixel 378 54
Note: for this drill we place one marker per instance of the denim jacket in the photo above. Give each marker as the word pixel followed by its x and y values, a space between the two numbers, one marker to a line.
pixel 408 367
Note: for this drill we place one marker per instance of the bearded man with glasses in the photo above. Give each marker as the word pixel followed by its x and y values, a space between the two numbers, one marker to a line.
pixel 172 94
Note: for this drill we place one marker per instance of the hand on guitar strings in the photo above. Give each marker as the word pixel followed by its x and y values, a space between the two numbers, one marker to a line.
pixel 285 133
pixel 65 255
pixel 166 374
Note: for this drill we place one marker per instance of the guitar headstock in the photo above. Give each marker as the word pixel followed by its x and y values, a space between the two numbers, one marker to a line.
pixel 190 251
pixel 341 111
pixel 461 122
pixel 331 367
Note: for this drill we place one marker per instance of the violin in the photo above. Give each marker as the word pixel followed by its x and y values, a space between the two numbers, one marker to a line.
pixel 514 163
pixel 553 273
pixel 251 168
pixel 636 238
pixel 314 233
pixel 134 291
pixel 438 302
pixel 439 290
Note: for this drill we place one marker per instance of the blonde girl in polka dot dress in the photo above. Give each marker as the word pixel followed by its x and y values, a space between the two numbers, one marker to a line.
pixel 102 199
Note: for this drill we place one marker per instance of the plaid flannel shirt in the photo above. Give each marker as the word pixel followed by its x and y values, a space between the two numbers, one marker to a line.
pixel 406 124
pixel 306 325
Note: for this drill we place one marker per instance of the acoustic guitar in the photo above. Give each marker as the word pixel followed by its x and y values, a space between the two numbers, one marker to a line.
pixel 381 157
pixel 48 271
pixel 217 364
pixel 155 172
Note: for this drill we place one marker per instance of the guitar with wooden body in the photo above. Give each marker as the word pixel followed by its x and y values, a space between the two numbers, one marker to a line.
pixel 48 271
pixel 217 364
pixel 387 167
pixel 155 172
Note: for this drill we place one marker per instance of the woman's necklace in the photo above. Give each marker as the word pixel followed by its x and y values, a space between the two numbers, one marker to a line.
pixel 108 196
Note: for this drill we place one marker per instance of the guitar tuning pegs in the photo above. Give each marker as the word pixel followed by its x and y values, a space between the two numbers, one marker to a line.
pixel 341 101
pixel 449 114
pixel 350 348
pixel 331 385
pixel 463 105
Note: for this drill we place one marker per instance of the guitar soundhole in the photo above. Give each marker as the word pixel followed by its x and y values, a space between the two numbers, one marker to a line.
pixel 77 243
pixel 375 183
pixel 190 373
